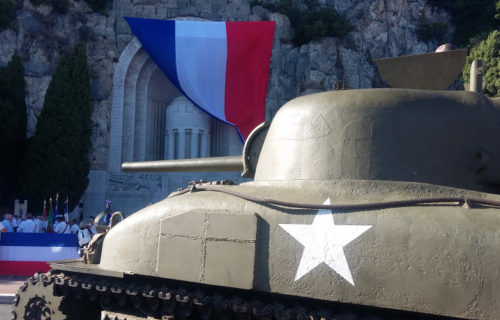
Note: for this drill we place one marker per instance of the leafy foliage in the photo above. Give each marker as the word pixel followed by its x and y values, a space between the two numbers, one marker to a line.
pixel 12 128
pixel 97 5
pixel 61 6
pixel 7 13
pixel 431 30
pixel 310 22
pixel 57 157
pixel 488 51
pixel 473 19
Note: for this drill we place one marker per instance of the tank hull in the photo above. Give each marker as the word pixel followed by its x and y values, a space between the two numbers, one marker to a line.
pixel 361 206
pixel 435 259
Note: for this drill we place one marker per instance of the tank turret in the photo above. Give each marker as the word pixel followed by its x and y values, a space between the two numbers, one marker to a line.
pixel 364 204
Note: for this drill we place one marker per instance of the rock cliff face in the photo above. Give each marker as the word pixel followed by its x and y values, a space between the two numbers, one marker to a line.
pixel 383 28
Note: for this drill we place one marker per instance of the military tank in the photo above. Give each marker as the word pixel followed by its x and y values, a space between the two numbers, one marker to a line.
pixel 363 204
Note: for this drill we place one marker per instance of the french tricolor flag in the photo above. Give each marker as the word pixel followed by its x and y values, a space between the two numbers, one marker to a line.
pixel 26 253
pixel 222 67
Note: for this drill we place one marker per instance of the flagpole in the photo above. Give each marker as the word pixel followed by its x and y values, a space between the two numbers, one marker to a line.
pixel 56 213
pixel 66 205
pixel 50 224
pixel 45 216
pixel 45 208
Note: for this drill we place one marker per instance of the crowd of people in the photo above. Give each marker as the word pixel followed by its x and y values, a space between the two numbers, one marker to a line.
pixel 40 224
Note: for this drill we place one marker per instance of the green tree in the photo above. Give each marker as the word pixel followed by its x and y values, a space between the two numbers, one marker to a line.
pixel 7 13
pixel 309 20
pixel 428 30
pixel 60 6
pixel 473 19
pixel 97 5
pixel 488 51
pixel 57 156
pixel 12 128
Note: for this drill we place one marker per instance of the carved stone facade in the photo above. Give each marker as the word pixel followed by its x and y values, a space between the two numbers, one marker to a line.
pixel 152 120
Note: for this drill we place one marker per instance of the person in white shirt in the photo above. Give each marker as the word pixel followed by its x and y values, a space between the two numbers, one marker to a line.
pixel 16 222
pixel 7 222
pixel 28 225
pixel 84 235
pixel 38 224
pixel 62 226
pixel 91 225
pixel 74 226
pixel 45 223
pixel 2 228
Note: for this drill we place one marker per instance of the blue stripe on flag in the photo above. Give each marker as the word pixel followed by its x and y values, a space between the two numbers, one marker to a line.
pixel 201 51
pixel 158 39
pixel 38 240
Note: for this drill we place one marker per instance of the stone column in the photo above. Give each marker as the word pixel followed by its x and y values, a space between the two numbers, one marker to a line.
pixel 167 146
pixel 175 145
pixel 199 144
pixel 154 129
pixel 207 146
pixel 188 145
pixel 148 146
pixel 182 142
pixel 171 138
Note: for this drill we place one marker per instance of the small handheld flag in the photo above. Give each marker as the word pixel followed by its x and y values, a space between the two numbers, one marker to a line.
pixel 107 217
pixel 51 218
pixel 55 206
pixel 45 229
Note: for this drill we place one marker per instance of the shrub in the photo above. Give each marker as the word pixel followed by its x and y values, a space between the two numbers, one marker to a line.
pixel 431 30
pixel 472 19
pixel 60 6
pixel 57 157
pixel 12 128
pixel 310 21
pixel 97 5
pixel 86 33
pixel 7 13
pixel 488 51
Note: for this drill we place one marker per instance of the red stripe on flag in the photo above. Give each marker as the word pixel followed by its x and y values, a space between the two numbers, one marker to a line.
pixel 249 48
pixel 22 268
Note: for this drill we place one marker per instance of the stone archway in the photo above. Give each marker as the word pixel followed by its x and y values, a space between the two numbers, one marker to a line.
pixel 141 93
pixel 137 85
pixel 118 103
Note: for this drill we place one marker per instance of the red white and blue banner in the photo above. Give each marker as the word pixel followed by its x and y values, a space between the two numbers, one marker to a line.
pixel 222 67
pixel 27 253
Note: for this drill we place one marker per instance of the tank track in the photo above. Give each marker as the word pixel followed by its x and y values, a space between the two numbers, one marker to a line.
pixel 149 298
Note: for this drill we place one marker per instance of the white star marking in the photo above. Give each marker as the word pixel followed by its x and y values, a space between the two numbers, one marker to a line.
pixel 324 241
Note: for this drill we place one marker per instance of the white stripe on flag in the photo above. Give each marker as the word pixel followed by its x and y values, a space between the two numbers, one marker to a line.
pixel 21 253
pixel 201 54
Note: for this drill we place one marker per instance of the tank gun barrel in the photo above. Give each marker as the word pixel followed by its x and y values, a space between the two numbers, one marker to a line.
pixel 230 163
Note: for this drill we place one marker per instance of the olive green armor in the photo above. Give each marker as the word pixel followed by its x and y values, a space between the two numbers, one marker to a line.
pixel 364 204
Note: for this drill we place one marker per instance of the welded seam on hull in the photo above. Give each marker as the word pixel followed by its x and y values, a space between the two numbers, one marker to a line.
pixel 204 248
pixel 214 239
